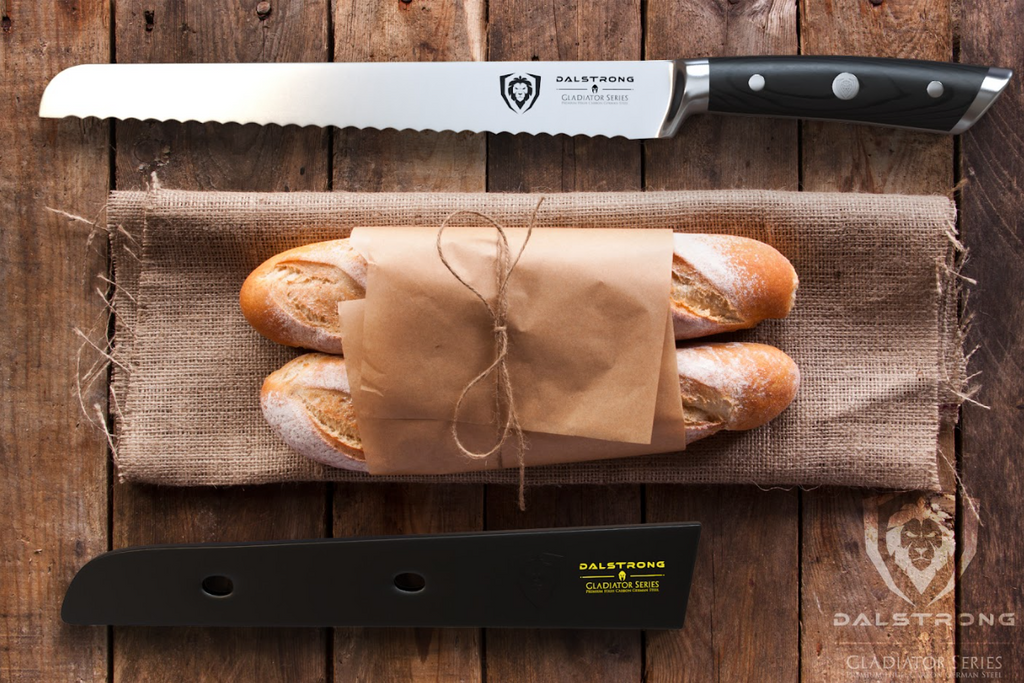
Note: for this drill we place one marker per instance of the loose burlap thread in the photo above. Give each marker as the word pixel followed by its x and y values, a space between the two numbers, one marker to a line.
pixel 874 331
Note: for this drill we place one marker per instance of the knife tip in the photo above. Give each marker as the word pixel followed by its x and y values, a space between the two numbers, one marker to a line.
pixel 55 95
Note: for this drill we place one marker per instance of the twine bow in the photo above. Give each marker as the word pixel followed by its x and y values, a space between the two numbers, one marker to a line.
pixel 504 266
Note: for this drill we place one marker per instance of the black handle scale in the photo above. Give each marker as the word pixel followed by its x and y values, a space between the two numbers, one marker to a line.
pixel 598 577
pixel 891 92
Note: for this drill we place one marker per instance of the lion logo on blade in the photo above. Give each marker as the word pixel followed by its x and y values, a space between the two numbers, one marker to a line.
pixel 520 91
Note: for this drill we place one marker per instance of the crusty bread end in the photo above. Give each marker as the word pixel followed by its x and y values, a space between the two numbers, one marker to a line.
pixel 292 298
pixel 308 403
pixel 722 283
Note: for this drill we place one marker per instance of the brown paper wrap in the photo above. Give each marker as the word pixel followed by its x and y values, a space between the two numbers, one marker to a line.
pixel 591 350
pixel 874 331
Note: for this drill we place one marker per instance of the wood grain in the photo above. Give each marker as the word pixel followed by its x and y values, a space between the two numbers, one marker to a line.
pixel 525 30
pixel 53 462
pixel 543 655
pixel 369 160
pixel 150 514
pixel 418 31
pixel 546 29
pixel 220 157
pixel 744 601
pixel 399 654
pixel 838 575
pixel 721 152
pixel 56 468
pixel 993 228
pixel 866 158
pixel 742 615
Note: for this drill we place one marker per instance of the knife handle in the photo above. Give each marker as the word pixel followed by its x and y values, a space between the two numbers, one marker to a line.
pixel 905 93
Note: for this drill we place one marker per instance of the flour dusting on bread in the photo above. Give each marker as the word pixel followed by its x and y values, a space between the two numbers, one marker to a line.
pixel 722 283
pixel 292 298
pixel 723 386
pixel 308 403
pixel 749 384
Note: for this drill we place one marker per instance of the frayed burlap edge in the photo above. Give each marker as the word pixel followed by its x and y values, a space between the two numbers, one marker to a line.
pixel 118 354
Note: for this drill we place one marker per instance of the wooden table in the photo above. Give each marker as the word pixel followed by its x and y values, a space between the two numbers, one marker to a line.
pixel 775 567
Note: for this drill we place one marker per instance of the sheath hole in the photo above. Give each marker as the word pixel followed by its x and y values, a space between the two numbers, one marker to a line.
pixel 410 582
pixel 218 586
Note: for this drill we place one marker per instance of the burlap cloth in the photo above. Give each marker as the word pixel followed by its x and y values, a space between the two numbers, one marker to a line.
pixel 874 331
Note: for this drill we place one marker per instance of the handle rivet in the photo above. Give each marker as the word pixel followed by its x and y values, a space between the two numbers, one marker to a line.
pixel 935 89
pixel 845 86
pixel 756 83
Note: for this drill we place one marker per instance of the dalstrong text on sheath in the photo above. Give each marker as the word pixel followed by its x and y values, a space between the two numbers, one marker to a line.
pixel 592 566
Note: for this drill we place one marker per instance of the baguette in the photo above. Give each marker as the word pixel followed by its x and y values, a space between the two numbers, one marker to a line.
pixel 723 386
pixel 720 283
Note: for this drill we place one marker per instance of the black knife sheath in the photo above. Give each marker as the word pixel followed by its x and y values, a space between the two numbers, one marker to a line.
pixel 591 577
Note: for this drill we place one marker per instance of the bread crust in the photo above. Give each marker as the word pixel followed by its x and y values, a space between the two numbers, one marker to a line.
pixel 723 386
pixel 720 283
pixel 740 385
pixel 308 403
pixel 292 297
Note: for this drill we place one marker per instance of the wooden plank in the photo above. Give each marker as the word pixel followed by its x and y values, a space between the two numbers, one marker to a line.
pixel 840 581
pixel 150 514
pixel 194 156
pixel 848 158
pixel 993 226
pixel 400 654
pixel 523 30
pixel 718 152
pixel 367 31
pixel 215 156
pixel 742 617
pixel 368 160
pixel 548 30
pixel 53 462
pixel 543 655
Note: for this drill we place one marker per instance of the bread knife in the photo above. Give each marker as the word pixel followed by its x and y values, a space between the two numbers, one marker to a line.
pixel 627 577
pixel 648 99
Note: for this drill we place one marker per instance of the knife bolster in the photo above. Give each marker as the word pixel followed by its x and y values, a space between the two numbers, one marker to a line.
pixel 691 88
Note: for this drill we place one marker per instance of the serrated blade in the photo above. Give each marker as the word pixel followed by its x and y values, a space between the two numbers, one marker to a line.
pixel 629 99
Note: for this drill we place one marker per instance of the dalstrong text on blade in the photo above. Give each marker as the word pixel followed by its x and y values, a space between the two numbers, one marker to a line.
pixel 594 79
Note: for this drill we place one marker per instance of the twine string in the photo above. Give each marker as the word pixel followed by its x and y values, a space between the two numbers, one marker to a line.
pixel 505 265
